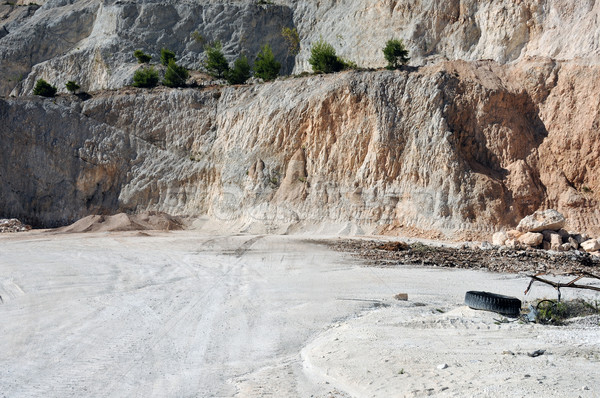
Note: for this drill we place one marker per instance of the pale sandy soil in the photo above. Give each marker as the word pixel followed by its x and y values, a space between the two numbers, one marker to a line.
pixel 181 314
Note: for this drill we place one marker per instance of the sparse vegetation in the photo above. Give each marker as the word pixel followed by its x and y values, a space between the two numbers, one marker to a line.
pixel 44 89
pixel 395 53
pixel 265 66
pixel 292 40
pixel 166 55
pixel 323 58
pixel 240 72
pixel 72 86
pixel 349 64
pixel 197 37
pixel 145 77
pixel 302 74
pixel 142 57
pixel 556 313
pixel 551 312
pixel 216 65
pixel 175 75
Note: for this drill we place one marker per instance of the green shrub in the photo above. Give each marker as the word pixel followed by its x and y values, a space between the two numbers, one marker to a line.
pixel 551 312
pixel 395 53
pixel 142 57
pixel 216 65
pixel 145 77
pixel 323 58
pixel 556 313
pixel 265 65
pixel 166 55
pixel 176 75
pixel 44 89
pixel 240 71
pixel 72 86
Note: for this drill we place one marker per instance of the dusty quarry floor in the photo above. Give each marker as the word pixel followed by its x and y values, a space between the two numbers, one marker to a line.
pixel 181 314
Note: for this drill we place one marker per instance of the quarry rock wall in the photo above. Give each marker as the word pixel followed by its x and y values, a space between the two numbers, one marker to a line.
pixel 470 146
pixel 496 116
pixel 92 41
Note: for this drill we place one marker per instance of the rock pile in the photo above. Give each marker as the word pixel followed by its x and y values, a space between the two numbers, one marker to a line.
pixel 12 225
pixel 544 230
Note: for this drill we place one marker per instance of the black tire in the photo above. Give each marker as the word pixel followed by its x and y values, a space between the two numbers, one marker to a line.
pixel 505 305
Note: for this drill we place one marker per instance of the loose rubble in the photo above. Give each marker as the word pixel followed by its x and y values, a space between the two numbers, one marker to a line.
pixel 12 225
pixel 498 259
pixel 533 247
pixel 544 230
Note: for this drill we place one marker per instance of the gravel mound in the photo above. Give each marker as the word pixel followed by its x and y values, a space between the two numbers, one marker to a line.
pixel 125 222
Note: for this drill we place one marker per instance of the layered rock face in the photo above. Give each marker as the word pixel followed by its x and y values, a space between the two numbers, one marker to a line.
pixel 455 146
pixel 466 144
pixel 503 31
pixel 91 41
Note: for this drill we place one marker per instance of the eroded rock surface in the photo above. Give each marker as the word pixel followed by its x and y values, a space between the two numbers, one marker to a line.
pixel 455 146
pixel 468 144
pixel 91 41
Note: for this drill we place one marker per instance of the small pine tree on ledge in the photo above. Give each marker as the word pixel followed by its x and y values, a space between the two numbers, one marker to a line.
pixel 176 75
pixel 44 89
pixel 145 78
pixel 265 66
pixel 395 53
pixel 323 58
pixel 216 64
pixel 72 86
pixel 166 55
pixel 240 71
pixel 142 57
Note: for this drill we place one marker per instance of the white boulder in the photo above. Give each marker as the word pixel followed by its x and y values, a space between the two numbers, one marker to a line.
pixel 540 220
pixel 531 239
pixel 591 245
pixel 499 238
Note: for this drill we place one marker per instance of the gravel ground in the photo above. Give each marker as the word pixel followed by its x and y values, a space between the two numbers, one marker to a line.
pixel 496 259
